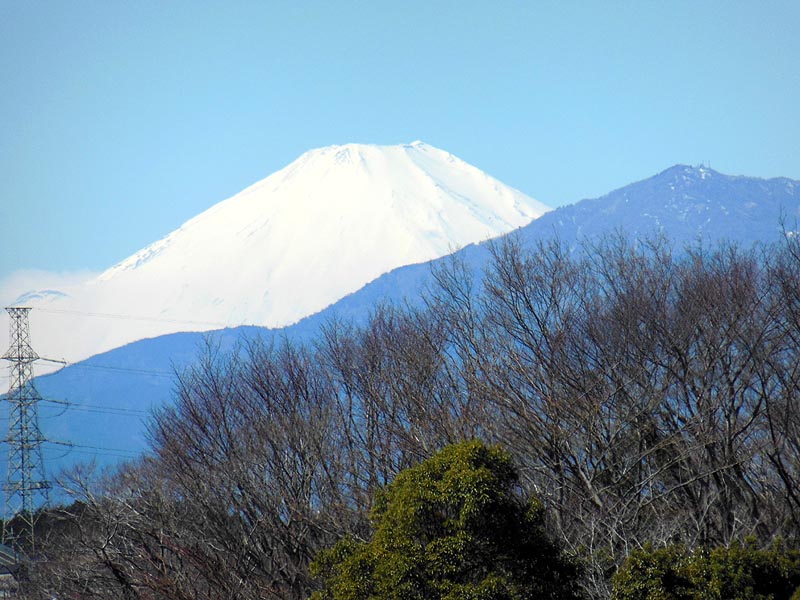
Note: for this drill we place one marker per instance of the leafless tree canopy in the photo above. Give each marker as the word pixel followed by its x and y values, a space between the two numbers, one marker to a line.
pixel 647 396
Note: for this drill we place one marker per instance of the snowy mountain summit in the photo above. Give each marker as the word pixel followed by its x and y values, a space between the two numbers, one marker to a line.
pixel 287 247
pixel 688 205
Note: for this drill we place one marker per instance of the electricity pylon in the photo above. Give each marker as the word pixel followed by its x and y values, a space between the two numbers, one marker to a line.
pixel 25 477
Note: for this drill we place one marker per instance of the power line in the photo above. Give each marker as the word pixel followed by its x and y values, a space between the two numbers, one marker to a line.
pixel 97 408
pixel 125 317
pixel 25 473
pixel 85 365
pixel 98 449
pixel 97 453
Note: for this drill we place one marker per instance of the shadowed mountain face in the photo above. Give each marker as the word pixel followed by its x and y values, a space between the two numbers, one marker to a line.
pixel 285 248
pixel 112 391
pixel 687 204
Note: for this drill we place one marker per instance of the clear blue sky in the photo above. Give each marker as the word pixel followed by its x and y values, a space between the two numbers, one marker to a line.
pixel 119 120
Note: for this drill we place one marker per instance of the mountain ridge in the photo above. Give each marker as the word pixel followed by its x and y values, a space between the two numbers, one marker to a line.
pixel 290 245
pixel 139 376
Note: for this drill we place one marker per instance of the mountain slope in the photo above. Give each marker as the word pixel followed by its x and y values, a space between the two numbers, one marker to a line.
pixel 286 247
pixel 684 203
pixel 689 204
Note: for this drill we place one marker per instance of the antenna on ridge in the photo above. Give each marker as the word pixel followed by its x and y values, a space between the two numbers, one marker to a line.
pixel 25 477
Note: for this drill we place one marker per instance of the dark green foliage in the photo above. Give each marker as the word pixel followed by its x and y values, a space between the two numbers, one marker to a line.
pixel 735 573
pixel 455 528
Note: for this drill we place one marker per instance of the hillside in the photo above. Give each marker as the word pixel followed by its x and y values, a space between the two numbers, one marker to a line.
pixel 687 204
pixel 284 248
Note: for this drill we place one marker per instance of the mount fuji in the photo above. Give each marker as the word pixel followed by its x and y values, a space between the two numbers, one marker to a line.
pixel 100 405
pixel 285 248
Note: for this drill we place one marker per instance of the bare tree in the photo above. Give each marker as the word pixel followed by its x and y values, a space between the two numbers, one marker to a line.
pixel 649 396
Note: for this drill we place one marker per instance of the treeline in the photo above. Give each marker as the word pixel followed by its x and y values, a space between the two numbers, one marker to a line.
pixel 648 397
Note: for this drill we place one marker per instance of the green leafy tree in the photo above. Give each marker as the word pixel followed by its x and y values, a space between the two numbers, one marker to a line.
pixel 452 528
pixel 734 573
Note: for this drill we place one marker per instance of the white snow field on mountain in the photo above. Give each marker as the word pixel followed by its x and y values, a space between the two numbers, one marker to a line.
pixel 284 248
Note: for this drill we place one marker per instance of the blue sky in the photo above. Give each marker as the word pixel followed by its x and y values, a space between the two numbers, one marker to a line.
pixel 122 119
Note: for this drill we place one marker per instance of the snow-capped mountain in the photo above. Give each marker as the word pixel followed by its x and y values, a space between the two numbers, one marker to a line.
pixel 285 248
pixel 687 205
pixel 110 393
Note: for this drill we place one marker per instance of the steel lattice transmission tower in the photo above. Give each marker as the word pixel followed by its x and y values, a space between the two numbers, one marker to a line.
pixel 26 486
